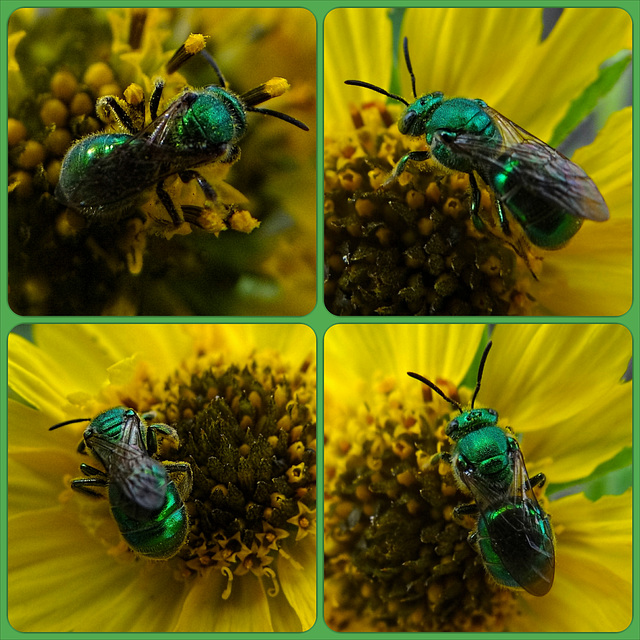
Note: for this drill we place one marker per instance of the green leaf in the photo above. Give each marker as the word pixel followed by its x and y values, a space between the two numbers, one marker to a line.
pixel 612 477
pixel 584 105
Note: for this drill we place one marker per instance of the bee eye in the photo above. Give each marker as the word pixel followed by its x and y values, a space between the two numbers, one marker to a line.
pixel 407 121
pixel 452 427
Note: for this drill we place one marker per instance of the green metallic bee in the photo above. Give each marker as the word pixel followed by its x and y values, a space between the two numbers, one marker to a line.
pixel 104 176
pixel 146 496
pixel 548 195
pixel 513 534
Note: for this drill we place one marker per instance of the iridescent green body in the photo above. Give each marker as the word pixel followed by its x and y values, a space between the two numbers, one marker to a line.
pixel 547 194
pixel 158 535
pixel 516 544
pixel 513 535
pixel 146 496
pixel 106 175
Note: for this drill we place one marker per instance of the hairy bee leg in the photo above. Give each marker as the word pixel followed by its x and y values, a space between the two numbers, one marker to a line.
pixel 96 478
pixel 504 223
pixel 415 156
pixel 442 456
pixel 165 198
pixel 537 481
pixel 168 432
pixel 462 510
pixel 121 114
pixel 182 476
pixel 207 189
pixel 154 102
pixel 474 209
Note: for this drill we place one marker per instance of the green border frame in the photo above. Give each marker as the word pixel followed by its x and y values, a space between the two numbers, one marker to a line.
pixel 319 319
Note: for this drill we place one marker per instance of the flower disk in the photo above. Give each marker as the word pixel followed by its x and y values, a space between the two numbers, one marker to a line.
pixel 395 558
pixel 408 246
pixel 249 436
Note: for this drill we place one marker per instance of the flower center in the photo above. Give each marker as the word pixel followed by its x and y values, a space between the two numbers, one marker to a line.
pixel 409 246
pixel 249 434
pixel 396 558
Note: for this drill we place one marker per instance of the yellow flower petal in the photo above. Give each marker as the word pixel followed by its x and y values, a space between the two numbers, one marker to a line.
pixel 593 273
pixel 300 586
pixel 200 613
pixel 365 352
pixel 36 567
pixel 42 463
pixel 587 361
pixel 480 38
pixel 576 47
pixel 357 46
pixel 594 560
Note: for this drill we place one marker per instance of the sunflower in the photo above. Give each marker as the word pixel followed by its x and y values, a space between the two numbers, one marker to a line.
pixel 396 559
pixel 245 418
pixel 222 256
pixel 407 246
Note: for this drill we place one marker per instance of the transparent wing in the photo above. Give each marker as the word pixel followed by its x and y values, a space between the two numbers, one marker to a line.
pixel 156 131
pixel 538 169
pixel 141 479
pixel 520 532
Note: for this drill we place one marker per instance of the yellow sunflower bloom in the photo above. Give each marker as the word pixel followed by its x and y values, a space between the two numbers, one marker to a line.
pixel 396 556
pixel 241 240
pixel 416 241
pixel 242 402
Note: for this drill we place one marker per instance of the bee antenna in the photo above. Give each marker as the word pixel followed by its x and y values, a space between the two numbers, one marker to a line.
pixel 407 59
pixel 64 424
pixel 480 371
pixel 214 65
pixel 373 87
pixel 439 391
pixel 281 116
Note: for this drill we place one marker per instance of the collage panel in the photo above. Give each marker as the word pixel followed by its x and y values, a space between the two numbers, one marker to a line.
pixel 164 474
pixel 162 162
pixel 467 483
pixel 460 178
pixel 168 471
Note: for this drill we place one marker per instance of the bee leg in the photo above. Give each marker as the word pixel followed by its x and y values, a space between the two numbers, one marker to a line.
pixel 537 481
pixel 165 198
pixel 168 432
pixel 415 156
pixel 462 510
pixel 207 189
pixel 96 478
pixel 504 224
pixel 437 457
pixel 231 154
pixel 121 115
pixel 475 203
pixel 182 475
pixel 154 102
pixel 88 470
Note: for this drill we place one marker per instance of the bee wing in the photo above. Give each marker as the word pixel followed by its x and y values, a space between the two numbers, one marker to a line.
pixel 156 131
pixel 521 534
pixel 540 169
pixel 139 478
